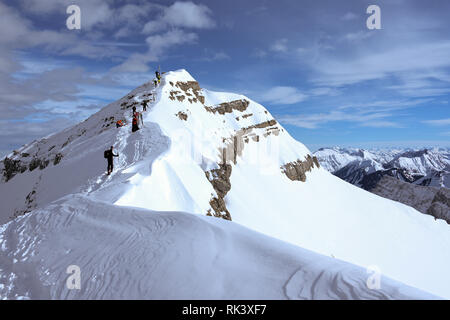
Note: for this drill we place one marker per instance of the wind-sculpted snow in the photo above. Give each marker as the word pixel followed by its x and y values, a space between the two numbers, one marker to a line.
pixel 126 253
pixel 136 253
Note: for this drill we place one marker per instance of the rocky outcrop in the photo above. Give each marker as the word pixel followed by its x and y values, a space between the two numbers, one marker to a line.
pixel 428 200
pixel 182 115
pixel 25 162
pixel 440 206
pixel 228 107
pixel 296 171
pixel 12 167
pixel 188 87
pixel 220 180
pixel 234 146
pixel 30 202
pixel 174 95
pixel 266 124
pixel 57 159
pixel 38 163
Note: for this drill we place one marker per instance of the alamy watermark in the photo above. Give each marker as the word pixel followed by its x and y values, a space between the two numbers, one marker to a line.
pixel 373 282
pixel 73 282
pixel 374 20
pixel 73 22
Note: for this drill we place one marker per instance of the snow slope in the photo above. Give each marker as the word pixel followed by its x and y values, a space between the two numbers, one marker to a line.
pixel 223 154
pixel 420 178
pixel 126 253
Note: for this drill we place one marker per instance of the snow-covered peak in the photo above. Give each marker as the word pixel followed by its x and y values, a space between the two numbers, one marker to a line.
pixel 422 161
pixel 224 155
pixel 178 75
pixel 333 159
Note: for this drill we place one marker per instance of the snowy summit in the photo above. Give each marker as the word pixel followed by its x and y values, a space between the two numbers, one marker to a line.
pixel 211 192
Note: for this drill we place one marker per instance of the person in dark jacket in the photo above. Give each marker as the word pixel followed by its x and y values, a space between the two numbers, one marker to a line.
pixel 109 154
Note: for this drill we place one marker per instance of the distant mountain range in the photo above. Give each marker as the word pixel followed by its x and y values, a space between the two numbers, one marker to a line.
pixel 418 178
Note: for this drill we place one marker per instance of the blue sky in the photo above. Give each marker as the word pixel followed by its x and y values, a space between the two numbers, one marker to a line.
pixel 314 64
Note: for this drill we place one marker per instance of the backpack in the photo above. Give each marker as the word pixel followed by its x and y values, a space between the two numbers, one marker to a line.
pixel 106 154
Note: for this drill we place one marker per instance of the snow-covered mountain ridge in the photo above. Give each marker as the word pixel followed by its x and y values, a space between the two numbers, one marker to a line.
pixel 218 154
pixel 426 167
pixel 129 253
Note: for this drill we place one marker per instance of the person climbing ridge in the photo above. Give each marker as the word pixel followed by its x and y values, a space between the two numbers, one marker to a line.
pixel 120 123
pixel 109 154
pixel 135 123
pixel 144 106
pixel 158 76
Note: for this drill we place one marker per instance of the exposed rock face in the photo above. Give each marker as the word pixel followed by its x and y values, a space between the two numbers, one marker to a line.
pixel 182 115
pixel 428 200
pixel 228 107
pixel 187 87
pixel 296 171
pixel 30 202
pixel 234 145
pixel 220 180
pixel 175 94
pixel 262 125
pixel 129 104
pixel 58 158
pixel 440 206
pixel 36 162
pixel 12 167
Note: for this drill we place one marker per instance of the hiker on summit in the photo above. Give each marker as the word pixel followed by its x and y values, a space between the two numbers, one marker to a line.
pixel 109 154
pixel 158 76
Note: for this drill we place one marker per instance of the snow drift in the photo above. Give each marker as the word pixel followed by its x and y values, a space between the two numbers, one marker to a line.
pixel 126 253
pixel 217 154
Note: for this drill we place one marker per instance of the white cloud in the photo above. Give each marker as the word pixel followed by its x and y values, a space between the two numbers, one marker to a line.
pixel 440 122
pixel 157 47
pixel 358 36
pixel 182 15
pixel 349 16
pixel 338 71
pixel 324 91
pixel 386 105
pixel 315 120
pixel 259 53
pixel 215 56
pixel 380 124
pixel 161 42
pixel 283 95
pixel 280 46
